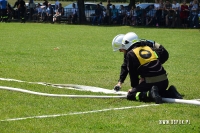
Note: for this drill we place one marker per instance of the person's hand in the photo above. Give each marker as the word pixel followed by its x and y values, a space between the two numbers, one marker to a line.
pixel 129 90
pixel 117 88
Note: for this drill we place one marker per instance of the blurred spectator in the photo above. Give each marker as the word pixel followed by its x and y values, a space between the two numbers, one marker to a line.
pixel 3 10
pixel 194 20
pixel 122 15
pixel 150 16
pixel 44 12
pixel 59 13
pixel 10 12
pixel 167 11
pixel 45 3
pixel 37 12
pixel 127 18
pixel 114 15
pixel 184 13
pixel 16 4
pixel 106 15
pixel 162 6
pixel 190 5
pixel 109 4
pixel 133 15
pixel 176 8
pixel 109 11
pixel 16 10
pixel 49 13
pixel 31 7
pixel 73 17
pixel 140 16
pixel 22 10
pixel 98 15
pixel 158 15
pixel 57 4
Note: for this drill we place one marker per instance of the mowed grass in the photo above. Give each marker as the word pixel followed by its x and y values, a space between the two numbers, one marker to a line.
pixel 82 54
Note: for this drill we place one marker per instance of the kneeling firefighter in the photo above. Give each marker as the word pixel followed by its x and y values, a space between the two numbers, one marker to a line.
pixel 143 61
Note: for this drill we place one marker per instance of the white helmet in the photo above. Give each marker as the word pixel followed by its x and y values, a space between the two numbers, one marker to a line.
pixel 117 42
pixel 129 39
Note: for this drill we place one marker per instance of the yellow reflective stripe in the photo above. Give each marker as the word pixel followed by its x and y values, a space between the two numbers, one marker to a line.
pixel 137 96
pixel 156 54
pixel 135 41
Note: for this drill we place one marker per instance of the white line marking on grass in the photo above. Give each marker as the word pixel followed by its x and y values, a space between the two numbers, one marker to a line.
pixel 78 113
pixel 68 86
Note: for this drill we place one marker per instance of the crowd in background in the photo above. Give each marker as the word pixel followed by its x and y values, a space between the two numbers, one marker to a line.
pixel 160 13
pixel 40 12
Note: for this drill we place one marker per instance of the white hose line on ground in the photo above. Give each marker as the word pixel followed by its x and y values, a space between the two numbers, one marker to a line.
pixel 170 100
pixel 77 113
pixel 58 95
pixel 86 88
pixel 197 99
pixel 71 86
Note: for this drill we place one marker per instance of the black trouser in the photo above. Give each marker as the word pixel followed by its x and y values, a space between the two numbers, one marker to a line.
pixel 4 15
pixel 22 14
pixel 50 18
pixel 158 16
pixel 144 88
pixel 74 18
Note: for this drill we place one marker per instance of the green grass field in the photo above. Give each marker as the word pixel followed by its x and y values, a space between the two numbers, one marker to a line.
pixel 82 54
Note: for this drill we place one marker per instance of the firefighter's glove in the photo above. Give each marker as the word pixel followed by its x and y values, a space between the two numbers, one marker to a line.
pixel 117 88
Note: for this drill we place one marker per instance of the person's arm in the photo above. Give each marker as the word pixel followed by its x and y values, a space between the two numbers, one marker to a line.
pixel 132 65
pixel 19 5
pixel 124 71
pixel 123 75
pixel 15 5
pixel 163 54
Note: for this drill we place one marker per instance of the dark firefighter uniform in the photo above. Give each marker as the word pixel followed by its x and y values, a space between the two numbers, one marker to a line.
pixel 143 60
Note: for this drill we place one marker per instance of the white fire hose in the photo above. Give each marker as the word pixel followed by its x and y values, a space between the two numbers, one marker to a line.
pixel 122 94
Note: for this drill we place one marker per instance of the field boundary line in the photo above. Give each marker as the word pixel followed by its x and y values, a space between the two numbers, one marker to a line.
pixel 77 113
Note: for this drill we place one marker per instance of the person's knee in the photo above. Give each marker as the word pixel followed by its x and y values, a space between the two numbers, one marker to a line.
pixel 131 94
